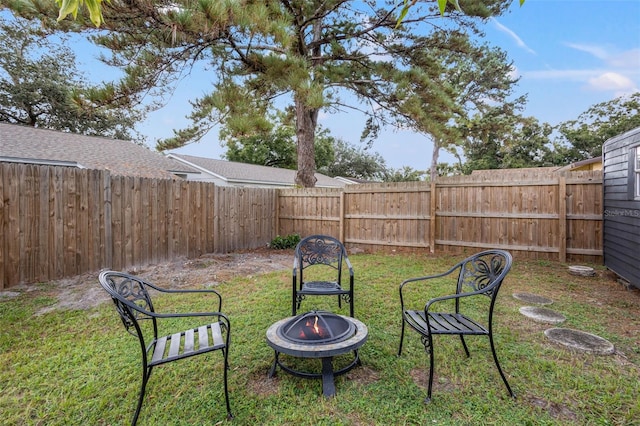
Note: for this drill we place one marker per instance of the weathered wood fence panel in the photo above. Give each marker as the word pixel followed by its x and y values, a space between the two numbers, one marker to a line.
pixel 392 214
pixel 538 215
pixel 552 217
pixel 244 218
pixel 58 222
pixel 157 220
pixel 308 211
pixel 585 208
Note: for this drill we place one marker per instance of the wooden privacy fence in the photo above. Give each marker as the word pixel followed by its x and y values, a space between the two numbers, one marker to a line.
pixel 547 216
pixel 58 222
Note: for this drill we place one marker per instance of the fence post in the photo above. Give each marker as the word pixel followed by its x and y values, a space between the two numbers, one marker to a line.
pixel 432 219
pixel 562 218
pixel 276 226
pixel 341 214
pixel 108 234
pixel 216 219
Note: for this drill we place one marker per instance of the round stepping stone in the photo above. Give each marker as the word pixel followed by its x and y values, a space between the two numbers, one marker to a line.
pixel 533 298
pixel 580 341
pixel 582 271
pixel 539 314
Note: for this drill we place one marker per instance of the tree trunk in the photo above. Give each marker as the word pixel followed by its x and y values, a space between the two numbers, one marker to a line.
pixel 306 121
pixel 433 175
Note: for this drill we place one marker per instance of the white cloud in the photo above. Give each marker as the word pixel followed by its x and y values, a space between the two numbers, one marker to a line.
pixel 629 59
pixel 513 36
pixel 618 73
pixel 597 51
pixel 572 75
pixel 612 81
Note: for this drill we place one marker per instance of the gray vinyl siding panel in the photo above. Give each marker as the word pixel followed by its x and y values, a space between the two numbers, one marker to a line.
pixel 621 229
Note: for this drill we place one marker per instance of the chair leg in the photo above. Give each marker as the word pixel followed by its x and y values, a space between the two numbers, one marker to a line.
pixel 495 358
pixel 428 344
pixel 146 373
pixel 401 338
pixel 293 306
pixel 297 301
pixel 225 354
pixel 464 344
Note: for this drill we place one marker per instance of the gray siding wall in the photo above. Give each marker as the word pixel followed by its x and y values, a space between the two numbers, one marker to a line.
pixel 621 229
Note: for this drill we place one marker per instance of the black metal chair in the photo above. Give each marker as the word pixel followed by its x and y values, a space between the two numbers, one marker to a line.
pixel 133 302
pixel 479 275
pixel 314 255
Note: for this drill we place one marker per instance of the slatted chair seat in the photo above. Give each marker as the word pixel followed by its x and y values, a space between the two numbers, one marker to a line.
pixel 444 323
pixel 133 303
pixel 187 343
pixel 478 276
pixel 320 287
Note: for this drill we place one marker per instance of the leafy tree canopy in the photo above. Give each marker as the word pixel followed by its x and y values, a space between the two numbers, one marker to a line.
pixel 355 162
pixel 306 55
pixel 583 137
pixel 404 174
pixel 277 148
pixel 41 87
pixel 274 147
pixel 452 84
pixel 502 141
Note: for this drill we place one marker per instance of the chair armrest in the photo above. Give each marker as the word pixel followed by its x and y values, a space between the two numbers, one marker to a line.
pixel 188 291
pixel 151 314
pixel 349 266
pixel 220 315
pixel 424 278
pixel 450 297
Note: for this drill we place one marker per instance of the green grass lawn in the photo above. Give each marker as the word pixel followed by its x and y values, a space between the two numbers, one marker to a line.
pixel 79 367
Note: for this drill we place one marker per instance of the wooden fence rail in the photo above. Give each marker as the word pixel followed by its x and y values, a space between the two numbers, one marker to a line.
pixel 57 222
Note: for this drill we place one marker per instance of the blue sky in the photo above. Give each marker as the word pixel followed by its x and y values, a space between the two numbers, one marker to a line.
pixel 569 55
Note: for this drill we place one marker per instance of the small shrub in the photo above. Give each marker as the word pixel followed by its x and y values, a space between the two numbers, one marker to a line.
pixel 281 243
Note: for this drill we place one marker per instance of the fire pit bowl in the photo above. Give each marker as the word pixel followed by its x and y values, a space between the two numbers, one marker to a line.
pixel 316 327
pixel 317 334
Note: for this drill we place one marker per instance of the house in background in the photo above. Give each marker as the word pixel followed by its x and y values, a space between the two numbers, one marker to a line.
pixel 230 173
pixel 29 145
pixel 589 164
pixel 621 199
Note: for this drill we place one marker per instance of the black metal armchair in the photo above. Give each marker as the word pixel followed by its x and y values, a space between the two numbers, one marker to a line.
pixel 479 275
pixel 314 255
pixel 133 302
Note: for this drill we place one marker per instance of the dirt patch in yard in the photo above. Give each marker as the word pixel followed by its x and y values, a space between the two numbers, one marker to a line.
pixel 84 291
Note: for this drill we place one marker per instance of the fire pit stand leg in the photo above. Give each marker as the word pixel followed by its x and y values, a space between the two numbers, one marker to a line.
pixel 328 384
pixel 272 371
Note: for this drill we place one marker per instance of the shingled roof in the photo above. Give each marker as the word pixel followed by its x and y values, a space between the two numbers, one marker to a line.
pixel 25 144
pixel 233 173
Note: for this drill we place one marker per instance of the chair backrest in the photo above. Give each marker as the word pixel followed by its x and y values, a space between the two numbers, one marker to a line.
pixel 132 300
pixel 320 250
pixel 484 272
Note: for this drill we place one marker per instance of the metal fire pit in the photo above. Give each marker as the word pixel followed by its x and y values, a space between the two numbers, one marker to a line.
pixel 325 348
